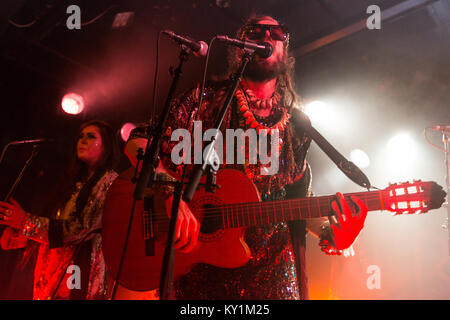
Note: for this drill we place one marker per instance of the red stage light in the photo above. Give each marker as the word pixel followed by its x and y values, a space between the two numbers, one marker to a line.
pixel 72 103
pixel 126 130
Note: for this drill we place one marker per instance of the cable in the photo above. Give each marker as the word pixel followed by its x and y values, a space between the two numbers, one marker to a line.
pixel 155 82
pixel 17 25
pixel 429 142
pixel 152 121
pixel 205 71
pixel 99 16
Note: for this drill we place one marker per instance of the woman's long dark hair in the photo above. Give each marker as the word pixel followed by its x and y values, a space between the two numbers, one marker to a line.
pixel 78 171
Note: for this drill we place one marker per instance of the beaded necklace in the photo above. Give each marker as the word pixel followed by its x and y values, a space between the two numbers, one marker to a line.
pixel 257 103
pixel 260 123
pixel 250 117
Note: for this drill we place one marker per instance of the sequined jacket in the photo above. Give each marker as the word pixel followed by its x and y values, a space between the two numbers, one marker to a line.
pixel 276 268
pixel 52 271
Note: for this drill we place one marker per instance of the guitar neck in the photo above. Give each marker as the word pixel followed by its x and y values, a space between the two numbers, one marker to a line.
pixel 269 212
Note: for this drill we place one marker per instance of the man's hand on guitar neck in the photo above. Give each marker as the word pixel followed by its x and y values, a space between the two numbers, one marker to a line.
pixel 187 228
pixel 348 225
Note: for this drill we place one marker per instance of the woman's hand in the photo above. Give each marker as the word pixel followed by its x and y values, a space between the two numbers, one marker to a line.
pixel 12 214
pixel 187 227
pixel 12 239
pixel 348 225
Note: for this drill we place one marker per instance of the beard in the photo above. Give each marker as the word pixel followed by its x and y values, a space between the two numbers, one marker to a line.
pixel 261 70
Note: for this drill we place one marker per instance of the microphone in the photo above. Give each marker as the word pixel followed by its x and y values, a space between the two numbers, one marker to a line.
pixel 200 48
pixel 441 128
pixel 264 50
pixel 34 141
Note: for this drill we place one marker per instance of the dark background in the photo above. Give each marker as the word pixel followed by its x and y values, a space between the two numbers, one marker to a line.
pixel 378 82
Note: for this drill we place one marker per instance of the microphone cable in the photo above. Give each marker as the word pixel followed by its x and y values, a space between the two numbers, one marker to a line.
pixel 429 142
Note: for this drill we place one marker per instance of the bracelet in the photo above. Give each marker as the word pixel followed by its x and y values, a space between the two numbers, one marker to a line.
pixel 166 189
pixel 326 243
pixel 31 225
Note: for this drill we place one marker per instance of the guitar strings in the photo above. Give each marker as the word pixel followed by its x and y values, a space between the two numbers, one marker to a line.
pixel 258 205
pixel 323 201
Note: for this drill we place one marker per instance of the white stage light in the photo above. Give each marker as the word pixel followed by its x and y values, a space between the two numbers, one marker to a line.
pixel 72 103
pixel 319 112
pixel 401 154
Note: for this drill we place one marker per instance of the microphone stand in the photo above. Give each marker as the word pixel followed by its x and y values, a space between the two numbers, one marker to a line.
pixel 150 162
pixel 20 176
pixel 210 164
pixel 446 140
pixel 4 151
pixel 17 181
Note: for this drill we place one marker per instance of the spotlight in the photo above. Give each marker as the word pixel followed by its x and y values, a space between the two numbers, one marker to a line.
pixel 322 115
pixel 360 158
pixel 126 130
pixel 72 103
pixel 401 153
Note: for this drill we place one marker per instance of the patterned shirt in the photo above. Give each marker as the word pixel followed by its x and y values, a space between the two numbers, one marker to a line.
pixel 271 271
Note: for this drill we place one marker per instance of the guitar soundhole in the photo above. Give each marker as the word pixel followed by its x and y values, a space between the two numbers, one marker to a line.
pixel 212 219
pixel 208 212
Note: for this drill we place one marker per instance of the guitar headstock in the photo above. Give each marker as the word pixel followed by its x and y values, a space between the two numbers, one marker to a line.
pixel 416 197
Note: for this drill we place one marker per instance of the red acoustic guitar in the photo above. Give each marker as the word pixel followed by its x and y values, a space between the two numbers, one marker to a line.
pixel 223 216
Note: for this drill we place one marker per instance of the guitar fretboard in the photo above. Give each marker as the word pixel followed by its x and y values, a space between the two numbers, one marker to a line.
pixel 260 213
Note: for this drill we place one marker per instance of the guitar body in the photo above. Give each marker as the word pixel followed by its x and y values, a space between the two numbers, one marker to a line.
pixel 221 240
pixel 216 246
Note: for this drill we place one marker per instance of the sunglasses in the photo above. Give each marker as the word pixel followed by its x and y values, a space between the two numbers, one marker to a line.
pixel 258 32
